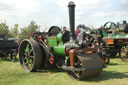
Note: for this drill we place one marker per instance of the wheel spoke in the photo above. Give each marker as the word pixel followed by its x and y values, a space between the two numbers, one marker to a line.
pixel 28 56
pixel 32 57
pixel 30 52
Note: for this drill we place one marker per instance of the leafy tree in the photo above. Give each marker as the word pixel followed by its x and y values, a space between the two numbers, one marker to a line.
pixel 27 31
pixel 4 29
pixel 14 31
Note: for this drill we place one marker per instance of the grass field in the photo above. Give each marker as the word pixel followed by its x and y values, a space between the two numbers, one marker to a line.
pixel 11 73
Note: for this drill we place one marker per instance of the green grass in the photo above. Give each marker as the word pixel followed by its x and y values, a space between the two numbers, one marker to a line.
pixel 11 73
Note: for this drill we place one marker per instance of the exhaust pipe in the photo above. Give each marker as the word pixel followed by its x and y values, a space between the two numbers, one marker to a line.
pixel 72 42
pixel 71 7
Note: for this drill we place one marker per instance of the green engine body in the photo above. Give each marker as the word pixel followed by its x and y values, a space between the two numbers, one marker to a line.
pixel 56 45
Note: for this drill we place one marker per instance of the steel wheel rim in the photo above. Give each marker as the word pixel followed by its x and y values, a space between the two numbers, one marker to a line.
pixel 124 53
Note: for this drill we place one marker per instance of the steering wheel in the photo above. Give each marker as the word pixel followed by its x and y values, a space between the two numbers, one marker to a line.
pixel 108 26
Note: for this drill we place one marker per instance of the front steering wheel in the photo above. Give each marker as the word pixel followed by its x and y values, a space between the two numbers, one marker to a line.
pixel 109 26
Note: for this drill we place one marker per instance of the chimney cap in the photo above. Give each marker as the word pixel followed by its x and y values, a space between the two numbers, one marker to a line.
pixel 71 4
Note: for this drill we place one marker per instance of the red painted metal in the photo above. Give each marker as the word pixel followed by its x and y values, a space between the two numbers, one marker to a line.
pixel 39 38
pixel 51 59
pixel 71 55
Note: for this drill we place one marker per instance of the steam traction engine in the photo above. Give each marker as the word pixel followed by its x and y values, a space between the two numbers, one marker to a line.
pixel 116 37
pixel 75 54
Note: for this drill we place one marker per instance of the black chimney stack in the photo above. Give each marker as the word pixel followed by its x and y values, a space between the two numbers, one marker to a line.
pixel 71 7
pixel 72 43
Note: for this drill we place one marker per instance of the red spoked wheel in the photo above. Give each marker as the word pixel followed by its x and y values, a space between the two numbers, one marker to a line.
pixel 105 59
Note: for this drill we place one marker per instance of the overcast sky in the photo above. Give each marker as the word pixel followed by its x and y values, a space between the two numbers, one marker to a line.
pixel 55 12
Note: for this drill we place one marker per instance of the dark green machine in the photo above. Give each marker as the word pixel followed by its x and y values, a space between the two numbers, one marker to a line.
pixel 116 38
pixel 62 49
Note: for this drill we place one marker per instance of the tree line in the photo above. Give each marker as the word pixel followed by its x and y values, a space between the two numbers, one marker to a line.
pixel 14 31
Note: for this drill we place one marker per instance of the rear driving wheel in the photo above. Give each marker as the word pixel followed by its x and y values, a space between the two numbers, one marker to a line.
pixel 123 52
pixel 30 55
